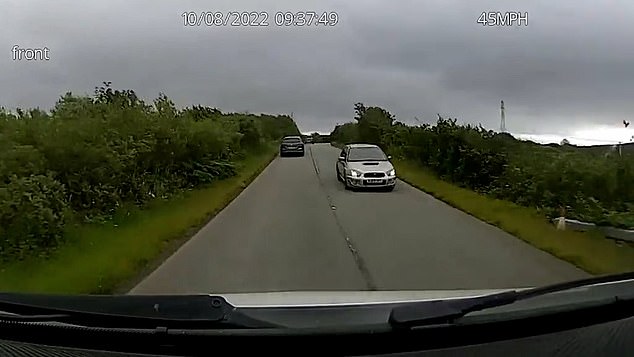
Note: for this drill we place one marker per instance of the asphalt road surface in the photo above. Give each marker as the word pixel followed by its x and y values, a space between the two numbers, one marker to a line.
pixel 296 228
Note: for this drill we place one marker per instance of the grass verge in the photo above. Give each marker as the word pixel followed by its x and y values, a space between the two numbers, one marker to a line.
pixel 589 251
pixel 100 259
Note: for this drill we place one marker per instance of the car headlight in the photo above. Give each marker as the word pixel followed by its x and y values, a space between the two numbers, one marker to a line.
pixel 391 173
pixel 355 173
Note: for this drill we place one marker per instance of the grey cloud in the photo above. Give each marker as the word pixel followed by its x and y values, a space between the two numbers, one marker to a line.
pixel 571 66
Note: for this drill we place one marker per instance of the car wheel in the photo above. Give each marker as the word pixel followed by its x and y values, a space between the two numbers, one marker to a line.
pixel 346 185
pixel 338 177
pixel 390 188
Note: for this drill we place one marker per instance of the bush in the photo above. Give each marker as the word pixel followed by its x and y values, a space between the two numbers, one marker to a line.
pixel 92 155
pixel 32 214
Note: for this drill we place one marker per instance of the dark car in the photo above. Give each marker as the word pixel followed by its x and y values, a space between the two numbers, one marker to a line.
pixel 292 145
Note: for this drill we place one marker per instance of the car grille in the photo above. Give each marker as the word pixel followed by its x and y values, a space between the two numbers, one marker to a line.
pixel 374 174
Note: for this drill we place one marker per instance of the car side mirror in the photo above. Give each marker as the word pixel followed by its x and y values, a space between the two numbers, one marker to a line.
pixel 342 158
pixel 389 157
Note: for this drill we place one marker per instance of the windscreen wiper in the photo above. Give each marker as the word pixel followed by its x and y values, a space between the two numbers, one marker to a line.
pixel 127 311
pixel 446 311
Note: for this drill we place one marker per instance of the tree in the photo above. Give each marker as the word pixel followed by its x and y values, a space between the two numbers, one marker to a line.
pixel 374 123
pixel 345 133
pixel 359 110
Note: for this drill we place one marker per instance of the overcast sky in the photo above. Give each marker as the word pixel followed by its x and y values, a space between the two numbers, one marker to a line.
pixel 569 71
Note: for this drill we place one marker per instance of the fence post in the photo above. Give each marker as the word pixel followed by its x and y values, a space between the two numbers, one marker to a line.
pixel 561 224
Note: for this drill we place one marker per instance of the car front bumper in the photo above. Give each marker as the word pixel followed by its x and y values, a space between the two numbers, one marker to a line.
pixel 387 181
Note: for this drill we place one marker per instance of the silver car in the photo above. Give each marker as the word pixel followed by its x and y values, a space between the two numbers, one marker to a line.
pixel 365 165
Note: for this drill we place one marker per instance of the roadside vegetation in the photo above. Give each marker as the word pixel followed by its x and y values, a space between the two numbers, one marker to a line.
pixel 95 160
pixel 110 257
pixel 518 186
pixel 591 185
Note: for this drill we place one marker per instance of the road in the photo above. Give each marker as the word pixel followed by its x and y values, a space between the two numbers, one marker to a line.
pixel 296 228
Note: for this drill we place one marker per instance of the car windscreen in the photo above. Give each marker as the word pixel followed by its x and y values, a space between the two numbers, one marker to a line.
pixel 291 141
pixel 366 154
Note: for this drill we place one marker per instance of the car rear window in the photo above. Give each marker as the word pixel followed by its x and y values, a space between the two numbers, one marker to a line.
pixel 292 140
